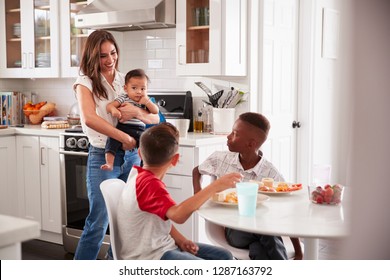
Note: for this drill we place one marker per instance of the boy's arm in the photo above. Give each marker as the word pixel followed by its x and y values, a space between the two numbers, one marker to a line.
pixel 181 212
pixel 152 107
pixel 297 248
pixel 112 109
pixel 196 179
pixel 183 243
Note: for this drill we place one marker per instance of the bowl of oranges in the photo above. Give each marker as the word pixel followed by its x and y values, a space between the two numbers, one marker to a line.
pixel 36 112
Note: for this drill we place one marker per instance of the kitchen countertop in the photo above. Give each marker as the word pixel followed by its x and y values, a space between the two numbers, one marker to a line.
pixel 30 130
pixel 192 139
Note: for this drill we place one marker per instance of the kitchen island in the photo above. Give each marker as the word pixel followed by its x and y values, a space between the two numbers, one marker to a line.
pixel 14 231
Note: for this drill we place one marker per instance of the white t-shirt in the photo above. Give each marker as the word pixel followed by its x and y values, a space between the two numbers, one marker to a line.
pixel 143 228
pixel 95 138
pixel 223 162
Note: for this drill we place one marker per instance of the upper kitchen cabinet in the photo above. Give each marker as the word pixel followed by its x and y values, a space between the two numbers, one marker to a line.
pixel 72 38
pixel 211 37
pixel 29 41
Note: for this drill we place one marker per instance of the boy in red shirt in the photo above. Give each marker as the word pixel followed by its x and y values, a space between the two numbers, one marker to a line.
pixel 146 208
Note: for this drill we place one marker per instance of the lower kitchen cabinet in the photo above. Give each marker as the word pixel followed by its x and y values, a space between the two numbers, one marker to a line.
pixel 38 184
pixel 8 190
pixel 179 183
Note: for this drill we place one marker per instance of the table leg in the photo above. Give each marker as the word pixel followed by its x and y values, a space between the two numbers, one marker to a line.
pixel 311 249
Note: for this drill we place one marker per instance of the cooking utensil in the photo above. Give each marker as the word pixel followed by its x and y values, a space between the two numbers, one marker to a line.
pixel 228 98
pixel 204 88
pixel 215 98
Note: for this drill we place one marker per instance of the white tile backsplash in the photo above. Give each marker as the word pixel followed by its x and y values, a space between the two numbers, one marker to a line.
pixel 152 50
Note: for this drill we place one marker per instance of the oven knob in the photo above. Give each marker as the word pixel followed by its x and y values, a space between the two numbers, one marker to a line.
pixel 82 143
pixel 161 103
pixel 71 142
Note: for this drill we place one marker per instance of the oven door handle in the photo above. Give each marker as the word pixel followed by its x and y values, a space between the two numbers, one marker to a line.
pixel 74 153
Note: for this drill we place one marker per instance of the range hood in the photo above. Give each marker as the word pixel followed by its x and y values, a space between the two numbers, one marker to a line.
pixel 127 15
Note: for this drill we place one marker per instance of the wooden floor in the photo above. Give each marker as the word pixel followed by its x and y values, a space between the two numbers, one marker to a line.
pixel 40 250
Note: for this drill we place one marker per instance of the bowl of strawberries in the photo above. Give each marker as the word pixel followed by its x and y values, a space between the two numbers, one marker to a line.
pixel 327 194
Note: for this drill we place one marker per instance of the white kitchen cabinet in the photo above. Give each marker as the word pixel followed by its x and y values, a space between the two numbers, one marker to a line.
pixel 39 193
pixel 29 41
pixel 8 190
pixel 72 38
pixel 211 37
pixel 179 182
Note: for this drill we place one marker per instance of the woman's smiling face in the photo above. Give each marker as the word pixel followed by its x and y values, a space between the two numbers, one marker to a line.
pixel 108 57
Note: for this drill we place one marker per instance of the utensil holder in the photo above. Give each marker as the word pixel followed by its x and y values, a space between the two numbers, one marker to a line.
pixel 223 120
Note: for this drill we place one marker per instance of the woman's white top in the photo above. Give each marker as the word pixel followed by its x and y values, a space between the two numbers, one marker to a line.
pixel 95 138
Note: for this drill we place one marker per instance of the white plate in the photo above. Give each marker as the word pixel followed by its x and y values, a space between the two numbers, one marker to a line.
pixel 260 198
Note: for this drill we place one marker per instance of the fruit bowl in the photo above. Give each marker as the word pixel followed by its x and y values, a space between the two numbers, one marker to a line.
pixel 35 116
pixel 326 194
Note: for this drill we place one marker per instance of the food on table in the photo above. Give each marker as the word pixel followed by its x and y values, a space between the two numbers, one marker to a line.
pixel 327 194
pixel 268 182
pixel 282 187
pixel 260 184
pixel 277 187
pixel 267 189
pixel 230 197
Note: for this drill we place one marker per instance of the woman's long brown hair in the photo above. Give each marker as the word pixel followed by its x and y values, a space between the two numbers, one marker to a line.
pixel 90 60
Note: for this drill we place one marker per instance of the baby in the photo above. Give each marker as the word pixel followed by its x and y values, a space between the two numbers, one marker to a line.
pixel 136 82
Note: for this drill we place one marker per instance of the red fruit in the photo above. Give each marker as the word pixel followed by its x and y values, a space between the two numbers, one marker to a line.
pixel 319 199
pixel 329 191
pixel 328 199
pixel 327 186
pixel 319 189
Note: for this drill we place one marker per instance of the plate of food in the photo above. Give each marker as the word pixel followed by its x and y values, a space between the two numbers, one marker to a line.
pixel 229 197
pixel 269 186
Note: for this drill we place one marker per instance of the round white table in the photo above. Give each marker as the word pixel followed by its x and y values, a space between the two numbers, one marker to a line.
pixel 291 215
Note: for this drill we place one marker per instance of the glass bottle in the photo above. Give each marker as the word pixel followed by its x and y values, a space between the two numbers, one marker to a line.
pixel 198 122
pixel 207 121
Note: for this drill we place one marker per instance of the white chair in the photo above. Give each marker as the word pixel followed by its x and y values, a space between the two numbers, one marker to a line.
pixel 216 234
pixel 112 190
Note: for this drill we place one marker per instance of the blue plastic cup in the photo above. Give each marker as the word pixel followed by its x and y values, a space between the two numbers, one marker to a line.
pixel 247 198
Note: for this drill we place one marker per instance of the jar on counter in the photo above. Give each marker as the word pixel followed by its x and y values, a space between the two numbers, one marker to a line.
pixel 198 122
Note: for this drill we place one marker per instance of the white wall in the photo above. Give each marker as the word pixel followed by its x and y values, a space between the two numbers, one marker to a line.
pixel 326 114
pixel 367 82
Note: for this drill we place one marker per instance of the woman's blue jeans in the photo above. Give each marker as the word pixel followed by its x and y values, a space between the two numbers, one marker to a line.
pixel 97 221
pixel 205 252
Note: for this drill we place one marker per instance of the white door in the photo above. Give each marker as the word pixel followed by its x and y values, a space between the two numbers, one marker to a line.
pixel 279 83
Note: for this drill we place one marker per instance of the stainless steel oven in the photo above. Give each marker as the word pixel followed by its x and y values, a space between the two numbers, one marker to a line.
pixel 73 157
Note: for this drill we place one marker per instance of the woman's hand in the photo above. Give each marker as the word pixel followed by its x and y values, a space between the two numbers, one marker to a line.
pixel 189 246
pixel 128 143
pixel 129 111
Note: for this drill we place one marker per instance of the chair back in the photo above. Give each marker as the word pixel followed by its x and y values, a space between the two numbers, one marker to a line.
pixel 112 190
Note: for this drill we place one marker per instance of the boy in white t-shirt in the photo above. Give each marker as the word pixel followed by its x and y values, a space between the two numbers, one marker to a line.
pixel 146 210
